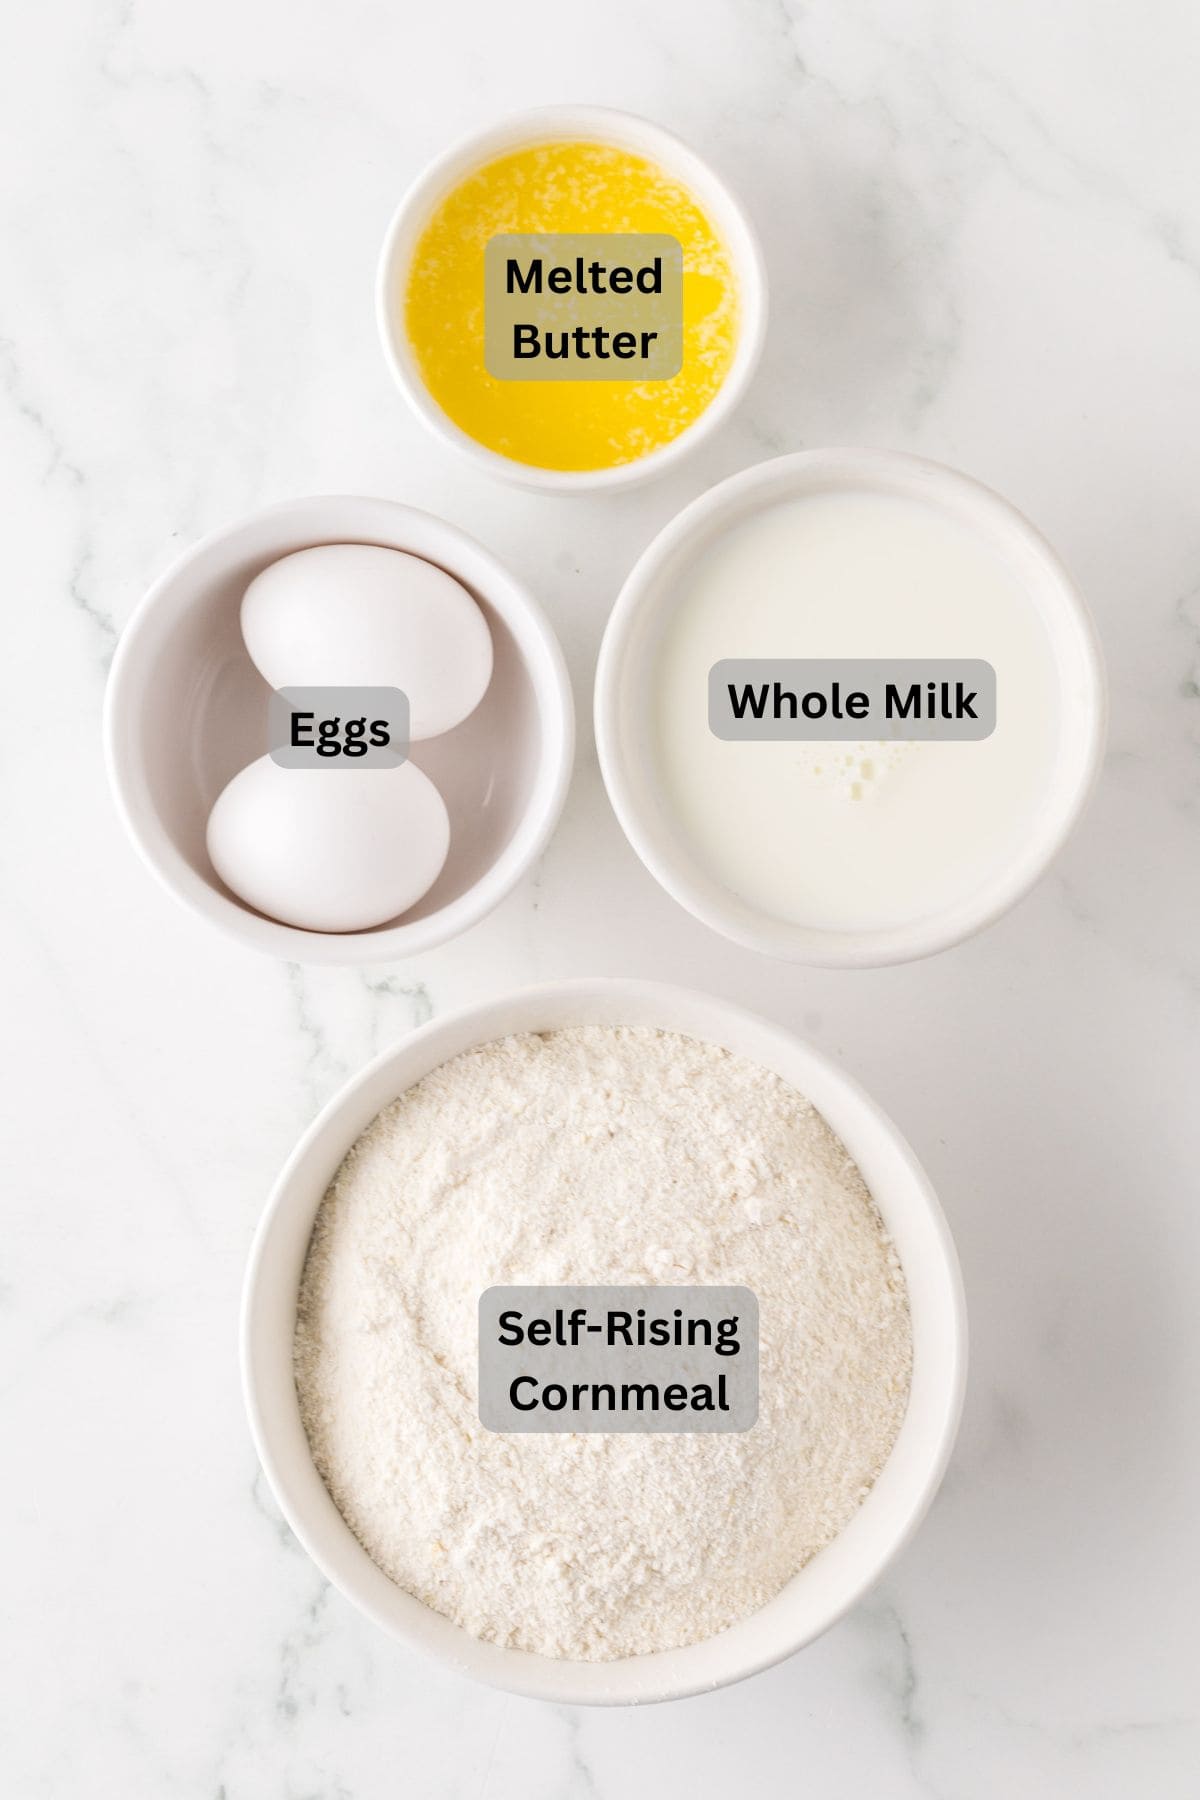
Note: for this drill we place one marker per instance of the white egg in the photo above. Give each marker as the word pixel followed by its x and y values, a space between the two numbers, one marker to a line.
pixel 360 615
pixel 329 850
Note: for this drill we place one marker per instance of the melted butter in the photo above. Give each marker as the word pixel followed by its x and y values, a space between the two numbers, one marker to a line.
pixel 566 187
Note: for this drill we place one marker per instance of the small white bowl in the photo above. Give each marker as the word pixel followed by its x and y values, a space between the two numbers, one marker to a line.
pixel 625 716
pixel 597 124
pixel 836 1578
pixel 186 709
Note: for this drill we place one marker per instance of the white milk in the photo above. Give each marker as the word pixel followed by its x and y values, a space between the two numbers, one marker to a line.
pixel 842 836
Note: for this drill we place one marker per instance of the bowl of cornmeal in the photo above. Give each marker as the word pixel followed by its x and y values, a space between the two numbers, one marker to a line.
pixel 604 1342
pixel 573 298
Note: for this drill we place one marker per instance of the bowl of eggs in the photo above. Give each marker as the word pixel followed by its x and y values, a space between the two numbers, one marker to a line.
pixel 335 862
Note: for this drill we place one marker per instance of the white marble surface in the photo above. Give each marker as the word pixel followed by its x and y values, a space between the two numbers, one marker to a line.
pixel 983 234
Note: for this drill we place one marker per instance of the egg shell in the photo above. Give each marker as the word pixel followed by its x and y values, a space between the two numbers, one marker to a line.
pixel 361 615
pixel 329 849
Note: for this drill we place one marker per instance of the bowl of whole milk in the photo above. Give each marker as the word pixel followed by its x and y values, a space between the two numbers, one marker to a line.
pixel 604 1342
pixel 572 297
pixel 849 706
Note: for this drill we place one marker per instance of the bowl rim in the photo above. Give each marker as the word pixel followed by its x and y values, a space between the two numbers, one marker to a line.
pixel 529 126
pixel 345 518
pixel 332 1546
pixel 833 469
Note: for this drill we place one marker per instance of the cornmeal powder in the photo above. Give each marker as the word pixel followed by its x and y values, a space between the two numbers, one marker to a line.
pixel 596 1155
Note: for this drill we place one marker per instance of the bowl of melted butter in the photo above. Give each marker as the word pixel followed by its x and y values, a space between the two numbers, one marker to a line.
pixel 573 298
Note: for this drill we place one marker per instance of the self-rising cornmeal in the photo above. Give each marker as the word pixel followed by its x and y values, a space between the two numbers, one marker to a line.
pixel 597 1155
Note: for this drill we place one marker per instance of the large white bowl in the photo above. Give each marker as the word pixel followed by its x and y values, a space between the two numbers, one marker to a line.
pixel 836 1578
pixel 547 124
pixel 186 709
pixel 626 720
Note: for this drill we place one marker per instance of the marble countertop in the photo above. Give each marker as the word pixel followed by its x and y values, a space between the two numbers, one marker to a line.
pixel 983 237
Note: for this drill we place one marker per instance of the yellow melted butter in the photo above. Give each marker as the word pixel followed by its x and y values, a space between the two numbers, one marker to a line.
pixel 565 187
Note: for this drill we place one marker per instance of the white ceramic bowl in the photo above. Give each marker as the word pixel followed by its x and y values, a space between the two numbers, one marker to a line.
pixel 625 713
pixel 186 709
pixel 836 1578
pixel 594 124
